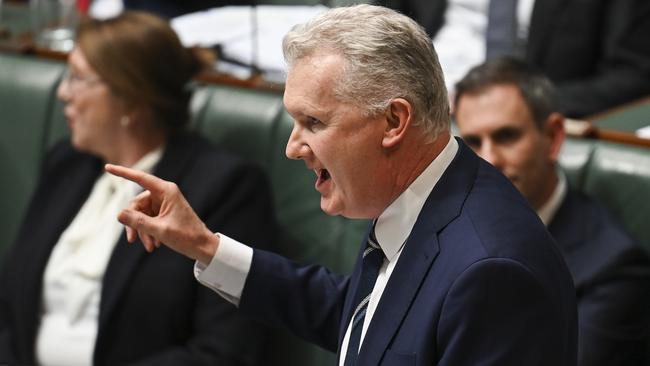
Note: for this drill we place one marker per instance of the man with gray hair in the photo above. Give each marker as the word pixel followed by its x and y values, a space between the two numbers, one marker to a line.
pixel 456 269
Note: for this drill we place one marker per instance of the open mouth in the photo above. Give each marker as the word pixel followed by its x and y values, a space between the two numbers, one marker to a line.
pixel 323 176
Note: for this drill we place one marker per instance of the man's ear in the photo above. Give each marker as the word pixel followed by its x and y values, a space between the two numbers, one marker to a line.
pixel 399 116
pixel 555 133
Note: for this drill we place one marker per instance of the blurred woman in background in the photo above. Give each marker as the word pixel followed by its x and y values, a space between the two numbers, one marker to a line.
pixel 72 292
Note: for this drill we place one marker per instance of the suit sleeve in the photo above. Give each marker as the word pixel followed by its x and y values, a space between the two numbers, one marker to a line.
pixel 613 314
pixel 222 335
pixel 623 69
pixel 308 300
pixel 498 313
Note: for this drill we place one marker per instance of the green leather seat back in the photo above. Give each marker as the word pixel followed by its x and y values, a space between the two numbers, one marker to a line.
pixel 240 120
pixel 27 94
pixel 200 97
pixel 574 158
pixel 59 127
pixel 619 176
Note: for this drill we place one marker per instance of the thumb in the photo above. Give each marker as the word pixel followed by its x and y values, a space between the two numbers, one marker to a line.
pixel 140 222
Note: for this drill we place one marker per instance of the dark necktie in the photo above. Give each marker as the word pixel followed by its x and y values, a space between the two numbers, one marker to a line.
pixel 373 257
pixel 501 33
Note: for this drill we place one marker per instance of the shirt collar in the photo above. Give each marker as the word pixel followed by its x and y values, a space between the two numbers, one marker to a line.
pixel 549 209
pixel 394 225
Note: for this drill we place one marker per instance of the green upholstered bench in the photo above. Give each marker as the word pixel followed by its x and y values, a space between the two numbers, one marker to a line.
pixel 617 175
pixel 27 99
pixel 255 125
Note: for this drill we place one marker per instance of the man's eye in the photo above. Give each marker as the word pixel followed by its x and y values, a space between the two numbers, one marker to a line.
pixel 472 141
pixel 506 136
pixel 314 123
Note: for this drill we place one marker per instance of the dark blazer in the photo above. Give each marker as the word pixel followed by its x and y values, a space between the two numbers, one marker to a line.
pixel 611 274
pixel 596 51
pixel 479 281
pixel 152 310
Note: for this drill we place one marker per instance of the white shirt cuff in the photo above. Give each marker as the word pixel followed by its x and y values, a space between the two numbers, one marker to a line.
pixel 227 272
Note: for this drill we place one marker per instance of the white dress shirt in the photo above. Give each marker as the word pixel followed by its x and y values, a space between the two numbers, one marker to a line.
pixel 460 42
pixel 72 280
pixel 549 208
pixel 226 274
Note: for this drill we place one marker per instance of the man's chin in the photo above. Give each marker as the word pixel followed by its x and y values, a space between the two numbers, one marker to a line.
pixel 327 206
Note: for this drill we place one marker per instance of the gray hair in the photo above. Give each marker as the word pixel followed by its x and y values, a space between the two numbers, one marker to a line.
pixel 387 55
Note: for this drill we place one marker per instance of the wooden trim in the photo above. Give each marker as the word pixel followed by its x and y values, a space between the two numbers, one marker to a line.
pixel 621 137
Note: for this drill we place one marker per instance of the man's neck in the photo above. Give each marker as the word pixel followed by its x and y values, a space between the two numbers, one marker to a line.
pixel 415 159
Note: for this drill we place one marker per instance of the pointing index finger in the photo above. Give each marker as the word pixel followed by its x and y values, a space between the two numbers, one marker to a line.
pixel 147 181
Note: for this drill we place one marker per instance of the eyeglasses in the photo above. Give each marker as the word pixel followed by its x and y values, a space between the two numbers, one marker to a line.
pixel 76 82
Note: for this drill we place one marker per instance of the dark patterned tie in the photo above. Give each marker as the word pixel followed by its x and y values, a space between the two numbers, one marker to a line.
pixel 373 257
pixel 501 33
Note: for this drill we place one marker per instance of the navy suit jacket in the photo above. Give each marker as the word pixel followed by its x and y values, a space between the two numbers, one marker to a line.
pixel 611 274
pixel 152 309
pixel 595 51
pixel 479 282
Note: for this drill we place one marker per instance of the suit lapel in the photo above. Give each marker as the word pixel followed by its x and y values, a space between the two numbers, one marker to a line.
pixel 53 208
pixel 567 232
pixel 569 235
pixel 125 258
pixel 419 254
pixel 544 16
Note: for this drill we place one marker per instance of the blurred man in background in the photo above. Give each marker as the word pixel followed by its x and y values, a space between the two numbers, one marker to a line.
pixel 505 111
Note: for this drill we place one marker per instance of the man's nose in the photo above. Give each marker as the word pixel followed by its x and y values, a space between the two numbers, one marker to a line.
pixel 296 148
pixel 63 91
pixel 492 155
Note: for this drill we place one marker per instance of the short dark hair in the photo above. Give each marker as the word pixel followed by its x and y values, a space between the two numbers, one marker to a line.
pixel 142 60
pixel 536 89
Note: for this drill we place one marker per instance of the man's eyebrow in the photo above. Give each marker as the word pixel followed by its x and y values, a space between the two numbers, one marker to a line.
pixel 504 129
